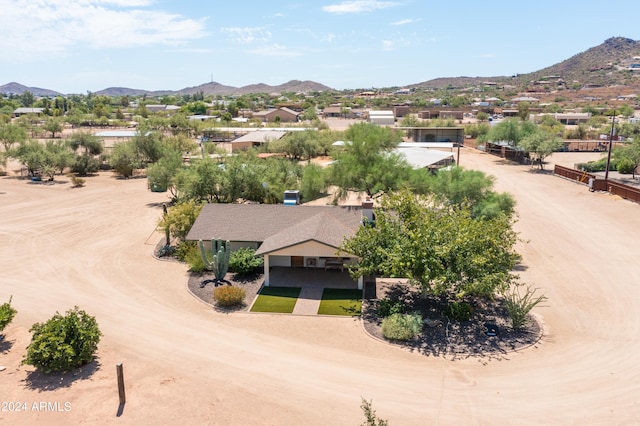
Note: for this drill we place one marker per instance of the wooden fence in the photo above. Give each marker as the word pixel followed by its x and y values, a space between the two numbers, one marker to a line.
pixel 616 188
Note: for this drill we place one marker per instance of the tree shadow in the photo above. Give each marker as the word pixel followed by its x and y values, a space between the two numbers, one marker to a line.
pixel 456 340
pixel 43 382
pixel 5 345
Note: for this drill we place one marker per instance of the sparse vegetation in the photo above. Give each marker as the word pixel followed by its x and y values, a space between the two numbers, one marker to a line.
pixel 402 326
pixel 519 304
pixel 7 312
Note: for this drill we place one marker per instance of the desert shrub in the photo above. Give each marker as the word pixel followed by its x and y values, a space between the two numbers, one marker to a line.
pixel 244 261
pixel 625 166
pixel 459 311
pixel 166 251
pixel 402 326
pixel 63 342
pixel 228 295
pixel 7 312
pixel 76 182
pixel 191 255
pixel 388 307
pixel 371 418
pixel 597 166
pixel 183 249
pixel 519 305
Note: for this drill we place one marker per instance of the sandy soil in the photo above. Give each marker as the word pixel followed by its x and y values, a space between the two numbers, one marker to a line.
pixel 186 363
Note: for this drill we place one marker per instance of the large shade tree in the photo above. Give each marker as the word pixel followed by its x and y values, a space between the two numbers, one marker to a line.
pixel 438 247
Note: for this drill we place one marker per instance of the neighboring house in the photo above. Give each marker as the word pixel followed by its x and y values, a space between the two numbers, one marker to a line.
pixel 256 138
pixel 162 108
pixel 286 115
pixel 382 118
pixel 435 134
pixel 22 111
pixel 287 236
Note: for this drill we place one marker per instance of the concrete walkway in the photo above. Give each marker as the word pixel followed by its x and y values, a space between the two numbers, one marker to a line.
pixel 308 301
pixel 312 282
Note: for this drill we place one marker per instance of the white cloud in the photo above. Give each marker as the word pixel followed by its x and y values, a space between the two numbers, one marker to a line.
pixel 387 45
pixel 246 35
pixel 403 22
pixel 358 6
pixel 274 50
pixel 38 28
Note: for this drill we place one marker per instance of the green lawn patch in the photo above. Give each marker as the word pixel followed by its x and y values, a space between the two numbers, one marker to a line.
pixel 276 299
pixel 338 301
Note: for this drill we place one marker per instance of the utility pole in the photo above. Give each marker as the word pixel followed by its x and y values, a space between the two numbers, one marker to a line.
pixel 613 122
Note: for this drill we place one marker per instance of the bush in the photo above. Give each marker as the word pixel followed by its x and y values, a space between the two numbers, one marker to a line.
pixel 228 295
pixel 625 166
pixel 7 312
pixel 244 261
pixel 402 326
pixel 459 311
pixel 388 307
pixel 519 305
pixel 63 342
pixel 191 254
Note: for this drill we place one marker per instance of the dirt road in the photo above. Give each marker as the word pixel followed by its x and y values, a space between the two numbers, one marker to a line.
pixel 186 363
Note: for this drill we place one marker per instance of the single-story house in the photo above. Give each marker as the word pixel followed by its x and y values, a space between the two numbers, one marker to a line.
pixel 286 236
pixel 256 138
pixel 23 111
pixel 286 115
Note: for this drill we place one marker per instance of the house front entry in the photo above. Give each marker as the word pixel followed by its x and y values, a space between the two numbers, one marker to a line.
pixel 297 261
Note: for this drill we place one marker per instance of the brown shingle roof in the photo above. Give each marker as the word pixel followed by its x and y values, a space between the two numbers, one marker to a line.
pixel 276 225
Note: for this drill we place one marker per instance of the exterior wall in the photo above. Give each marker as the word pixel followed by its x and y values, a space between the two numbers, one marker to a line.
pixel 280 261
pixel 308 249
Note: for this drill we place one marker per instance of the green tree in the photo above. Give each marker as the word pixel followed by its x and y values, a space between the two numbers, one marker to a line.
pixel 201 181
pixel 161 173
pixel 180 218
pixel 482 116
pixel 371 419
pixel 511 131
pixel 27 98
pixel 469 188
pixel 630 152
pixel 366 162
pixel 58 156
pixel 87 147
pixel 540 145
pixel 11 134
pixel 523 110
pixel 314 182
pixel 53 126
pixel 439 248
pixel 63 342
pixel 30 154
pixel 124 158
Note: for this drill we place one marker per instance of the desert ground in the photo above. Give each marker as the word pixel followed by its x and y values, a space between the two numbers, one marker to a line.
pixel 185 363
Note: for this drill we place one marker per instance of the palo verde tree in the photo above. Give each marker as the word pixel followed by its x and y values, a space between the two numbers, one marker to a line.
pixel 367 163
pixel 87 147
pixel 469 188
pixel 540 144
pixel 438 247
pixel 511 131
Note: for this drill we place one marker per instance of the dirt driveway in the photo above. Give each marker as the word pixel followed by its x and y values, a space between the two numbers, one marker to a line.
pixel 185 363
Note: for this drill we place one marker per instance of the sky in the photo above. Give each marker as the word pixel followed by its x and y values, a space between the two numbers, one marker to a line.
pixel 76 46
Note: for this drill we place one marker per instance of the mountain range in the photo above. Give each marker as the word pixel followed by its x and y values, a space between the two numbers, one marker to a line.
pixel 614 62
